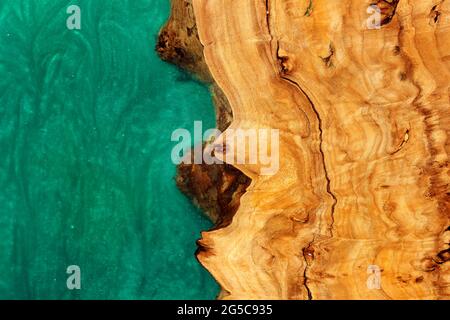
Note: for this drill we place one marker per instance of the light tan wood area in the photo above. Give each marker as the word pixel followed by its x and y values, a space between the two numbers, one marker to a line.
pixel 364 117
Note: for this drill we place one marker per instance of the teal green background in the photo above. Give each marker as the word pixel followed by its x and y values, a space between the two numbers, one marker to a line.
pixel 86 118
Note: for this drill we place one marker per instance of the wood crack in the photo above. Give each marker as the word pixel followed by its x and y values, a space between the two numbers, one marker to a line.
pixel 320 126
pixel 307 250
pixel 282 75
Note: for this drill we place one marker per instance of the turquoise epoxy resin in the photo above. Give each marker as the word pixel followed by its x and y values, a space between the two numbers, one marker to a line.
pixel 86 179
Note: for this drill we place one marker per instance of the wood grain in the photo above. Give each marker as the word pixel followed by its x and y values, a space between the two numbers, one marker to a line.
pixel 364 118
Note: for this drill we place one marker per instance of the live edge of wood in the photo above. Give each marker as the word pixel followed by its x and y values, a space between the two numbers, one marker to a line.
pixel 364 120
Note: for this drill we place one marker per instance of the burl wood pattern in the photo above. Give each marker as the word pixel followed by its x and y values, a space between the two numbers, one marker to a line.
pixel 364 117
